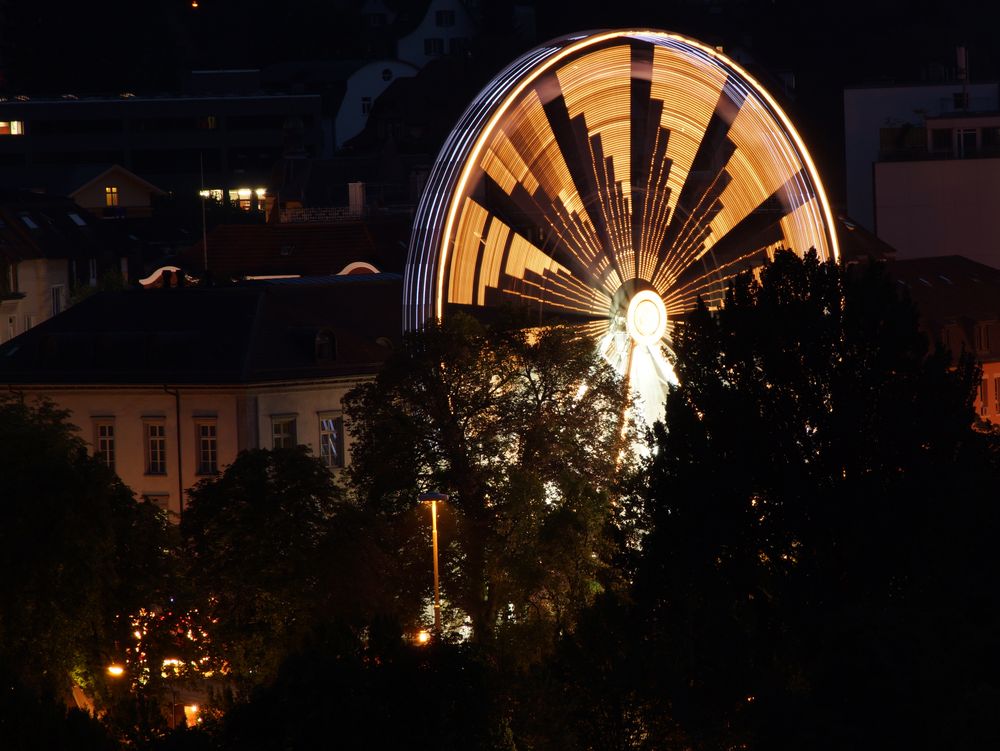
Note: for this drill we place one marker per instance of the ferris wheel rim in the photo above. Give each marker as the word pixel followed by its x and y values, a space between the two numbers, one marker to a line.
pixel 429 244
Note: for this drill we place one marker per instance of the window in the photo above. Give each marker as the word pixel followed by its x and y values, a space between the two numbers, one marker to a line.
pixel 326 349
pixel 110 195
pixel 11 127
pixel 77 219
pixel 29 222
pixel 283 432
pixel 966 140
pixel 433 46
pixel 160 500
pixel 57 299
pixel 444 18
pixel 208 448
pixel 386 74
pixel 331 441
pixel 92 271
pixel 996 395
pixel 156 448
pixel 984 404
pixel 11 327
pixel 982 337
pixel 104 442
pixel 366 105
pixel 8 284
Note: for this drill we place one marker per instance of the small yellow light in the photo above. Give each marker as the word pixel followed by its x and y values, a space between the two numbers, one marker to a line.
pixel 194 3
pixel 115 670
pixel 423 637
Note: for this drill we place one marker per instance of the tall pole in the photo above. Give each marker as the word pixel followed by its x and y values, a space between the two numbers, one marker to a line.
pixel 437 590
pixel 434 498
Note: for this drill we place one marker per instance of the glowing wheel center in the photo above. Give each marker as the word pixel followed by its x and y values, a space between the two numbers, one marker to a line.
pixel 646 317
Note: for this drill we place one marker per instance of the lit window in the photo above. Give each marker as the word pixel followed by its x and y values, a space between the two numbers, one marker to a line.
pixel 104 442
pixel 208 448
pixel 444 18
pixel 283 432
pixel 433 46
pixel 331 441
pixel 11 128
pixel 156 448
pixel 110 195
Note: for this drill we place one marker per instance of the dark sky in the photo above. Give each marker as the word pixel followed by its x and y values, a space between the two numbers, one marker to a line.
pixel 58 46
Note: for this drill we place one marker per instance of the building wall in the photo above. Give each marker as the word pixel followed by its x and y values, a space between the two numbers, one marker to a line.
pixel 242 417
pixel 363 88
pixel 868 110
pixel 131 194
pixel 36 279
pixel 416 49
pixel 940 207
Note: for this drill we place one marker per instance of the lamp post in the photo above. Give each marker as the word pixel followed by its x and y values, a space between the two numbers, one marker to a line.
pixel 434 498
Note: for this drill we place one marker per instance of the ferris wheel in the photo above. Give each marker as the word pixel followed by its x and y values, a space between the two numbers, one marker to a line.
pixel 608 180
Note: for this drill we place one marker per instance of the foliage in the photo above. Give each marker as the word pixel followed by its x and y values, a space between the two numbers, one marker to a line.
pixel 820 569
pixel 252 535
pixel 525 431
pixel 85 552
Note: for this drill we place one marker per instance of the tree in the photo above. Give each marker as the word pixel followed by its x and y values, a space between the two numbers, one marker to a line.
pixel 81 552
pixel 526 432
pixel 820 570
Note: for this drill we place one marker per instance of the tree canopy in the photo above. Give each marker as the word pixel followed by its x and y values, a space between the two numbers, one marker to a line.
pixel 525 430
pixel 819 569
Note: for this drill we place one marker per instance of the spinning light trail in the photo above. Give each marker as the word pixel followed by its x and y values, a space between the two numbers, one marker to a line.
pixel 608 181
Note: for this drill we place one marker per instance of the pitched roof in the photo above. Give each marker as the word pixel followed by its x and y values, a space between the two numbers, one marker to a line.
pixel 39 226
pixel 234 335
pixel 948 288
pixel 307 249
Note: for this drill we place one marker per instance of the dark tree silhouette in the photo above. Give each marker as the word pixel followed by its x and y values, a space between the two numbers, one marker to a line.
pixel 821 572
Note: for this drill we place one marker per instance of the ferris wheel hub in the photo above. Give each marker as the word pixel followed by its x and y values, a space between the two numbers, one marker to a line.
pixel 646 317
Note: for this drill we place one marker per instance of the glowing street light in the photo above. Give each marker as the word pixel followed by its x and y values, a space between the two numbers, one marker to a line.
pixel 115 670
pixel 434 498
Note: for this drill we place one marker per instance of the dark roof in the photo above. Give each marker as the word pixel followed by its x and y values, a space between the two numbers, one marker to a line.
pixel 858 244
pixel 40 226
pixel 308 249
pixel 234 335
pixel 950 288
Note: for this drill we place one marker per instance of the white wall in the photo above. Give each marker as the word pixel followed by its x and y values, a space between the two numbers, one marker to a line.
pixel 369 82
pixel 412 48
pixel 867 110
pixel 941 207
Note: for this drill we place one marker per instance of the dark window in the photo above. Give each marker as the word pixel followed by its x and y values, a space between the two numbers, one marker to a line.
pixel 156 448
pixel 104 442
pixel 366 105
pixel 433 46
pixel 444 18
pixel 208 448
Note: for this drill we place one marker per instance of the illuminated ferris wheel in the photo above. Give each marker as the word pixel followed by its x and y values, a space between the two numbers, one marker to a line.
pixel 607 181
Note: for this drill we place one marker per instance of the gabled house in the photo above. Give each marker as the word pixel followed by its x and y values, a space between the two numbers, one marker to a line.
pixel 50 249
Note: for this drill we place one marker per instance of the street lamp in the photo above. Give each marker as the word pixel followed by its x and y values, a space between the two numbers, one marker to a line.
pixel 434 498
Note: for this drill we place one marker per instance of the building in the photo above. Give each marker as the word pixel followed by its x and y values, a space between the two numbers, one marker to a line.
pixel 168 385
pixel 959 303
pixel 923 167
pixel 51 253
pixel 224 143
